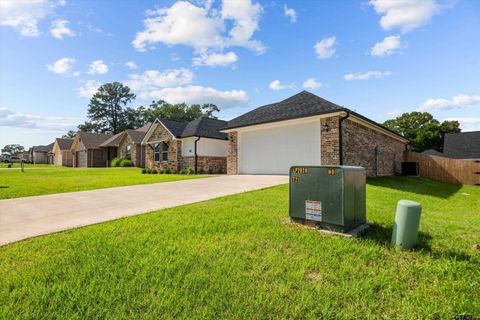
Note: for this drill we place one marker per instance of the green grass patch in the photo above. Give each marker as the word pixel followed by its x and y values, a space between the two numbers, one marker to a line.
pixel 239 257
pixel 48 180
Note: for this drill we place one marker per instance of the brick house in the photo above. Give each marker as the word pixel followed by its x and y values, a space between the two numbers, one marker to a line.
pixel 308 130
pixel 41 154
pixel 180 145
pixel 128 145
pixel 86 150
pixel 62 156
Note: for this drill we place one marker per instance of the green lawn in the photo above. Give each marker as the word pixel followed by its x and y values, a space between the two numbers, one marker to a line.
pixel 47 180
pixel 239 257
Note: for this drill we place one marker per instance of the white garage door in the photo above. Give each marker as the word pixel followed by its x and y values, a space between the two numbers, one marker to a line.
pixel 275 150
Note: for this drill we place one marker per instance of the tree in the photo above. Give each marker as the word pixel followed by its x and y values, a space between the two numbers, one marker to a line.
pixel 13 149
pixel 422 130
pixel 178 112
pixel 70 134
pixel 105 110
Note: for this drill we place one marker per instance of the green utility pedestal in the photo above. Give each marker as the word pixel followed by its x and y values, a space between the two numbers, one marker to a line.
pixel 407 221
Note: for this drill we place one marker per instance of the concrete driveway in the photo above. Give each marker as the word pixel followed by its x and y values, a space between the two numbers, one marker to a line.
pixel 33 216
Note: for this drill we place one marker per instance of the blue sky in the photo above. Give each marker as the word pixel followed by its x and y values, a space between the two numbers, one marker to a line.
pixel 380 58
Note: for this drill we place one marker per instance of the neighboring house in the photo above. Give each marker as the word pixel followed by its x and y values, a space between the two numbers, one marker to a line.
pixel 433 152
pixel 464 145
pixel 128 145
pixel 180 145
pixel 25 156
pixel 308 130
pixel 86 150
pixel 41 154
pixel 62 155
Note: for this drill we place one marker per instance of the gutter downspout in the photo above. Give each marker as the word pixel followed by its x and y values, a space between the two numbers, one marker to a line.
pixel 340 136
pixel 196 156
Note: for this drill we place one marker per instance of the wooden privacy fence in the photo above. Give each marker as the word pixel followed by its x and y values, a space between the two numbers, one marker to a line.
pixel 445 169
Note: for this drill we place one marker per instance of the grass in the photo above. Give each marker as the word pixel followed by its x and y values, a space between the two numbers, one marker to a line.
pixel 239 257
pixel 47 180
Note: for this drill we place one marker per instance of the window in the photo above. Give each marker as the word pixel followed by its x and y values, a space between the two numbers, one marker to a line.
pixel 164 151
pixel 128 151
pixel 156 152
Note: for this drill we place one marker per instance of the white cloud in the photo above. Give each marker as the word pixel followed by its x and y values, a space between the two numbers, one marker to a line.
pixel 387 47
pixel 152 80
pixel 61 66
pixel 169 85
pixel 467 124
pixel 97 67
pixel 203 28
pixel 276 85
pixel 404 15
pixel 312 83
pixel 215 59
pixel 98 30
pixel 367 75
pixel 76 73
pixel 458 101
pixel 88 89
pixel 394 113
pixel 174 57
pixel 24 15
pixel 290 13
pixel 131 65
pixel 199 94
pixel 9 118
pixel 325 48
pixel 59 29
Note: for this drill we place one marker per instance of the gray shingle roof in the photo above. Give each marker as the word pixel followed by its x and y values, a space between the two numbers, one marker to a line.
pixel 203 127
pixel 175 127
pixel 301 105
pixel 64 143
pixel 47 148
pixel 93 140
pixel 113 141
pixel 464 145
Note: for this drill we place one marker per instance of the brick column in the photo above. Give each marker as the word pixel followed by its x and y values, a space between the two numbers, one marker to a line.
pixel 232 158
pixel 330 144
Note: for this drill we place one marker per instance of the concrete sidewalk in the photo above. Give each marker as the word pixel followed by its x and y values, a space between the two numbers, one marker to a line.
pixel 33 216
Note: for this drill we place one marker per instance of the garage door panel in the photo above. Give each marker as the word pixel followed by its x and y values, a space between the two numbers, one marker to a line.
pixel 275 150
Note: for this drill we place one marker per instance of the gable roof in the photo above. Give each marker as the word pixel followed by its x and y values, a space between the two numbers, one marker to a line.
pixel 203 127
pixel 47 148
pixel 93 140
pixel 206 128
pixel 301 105
pixel 464 145
pixel 136 135
pixel 64 143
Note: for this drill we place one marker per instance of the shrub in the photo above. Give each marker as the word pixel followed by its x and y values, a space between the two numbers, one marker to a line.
pixel 190 170
pixel 168 171
pixel 126 163
pixel 174 171
pixel 221 170
pixel 210 170
pixel 144 171
pixel 115 162
pixel 201 170
pixel 183 171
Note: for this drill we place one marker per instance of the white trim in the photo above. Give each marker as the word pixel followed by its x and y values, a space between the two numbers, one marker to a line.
pixel 376 128
pixel 152 128
pixel 321 116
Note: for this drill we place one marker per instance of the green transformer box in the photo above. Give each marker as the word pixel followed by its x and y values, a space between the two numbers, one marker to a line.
pixel 329 197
